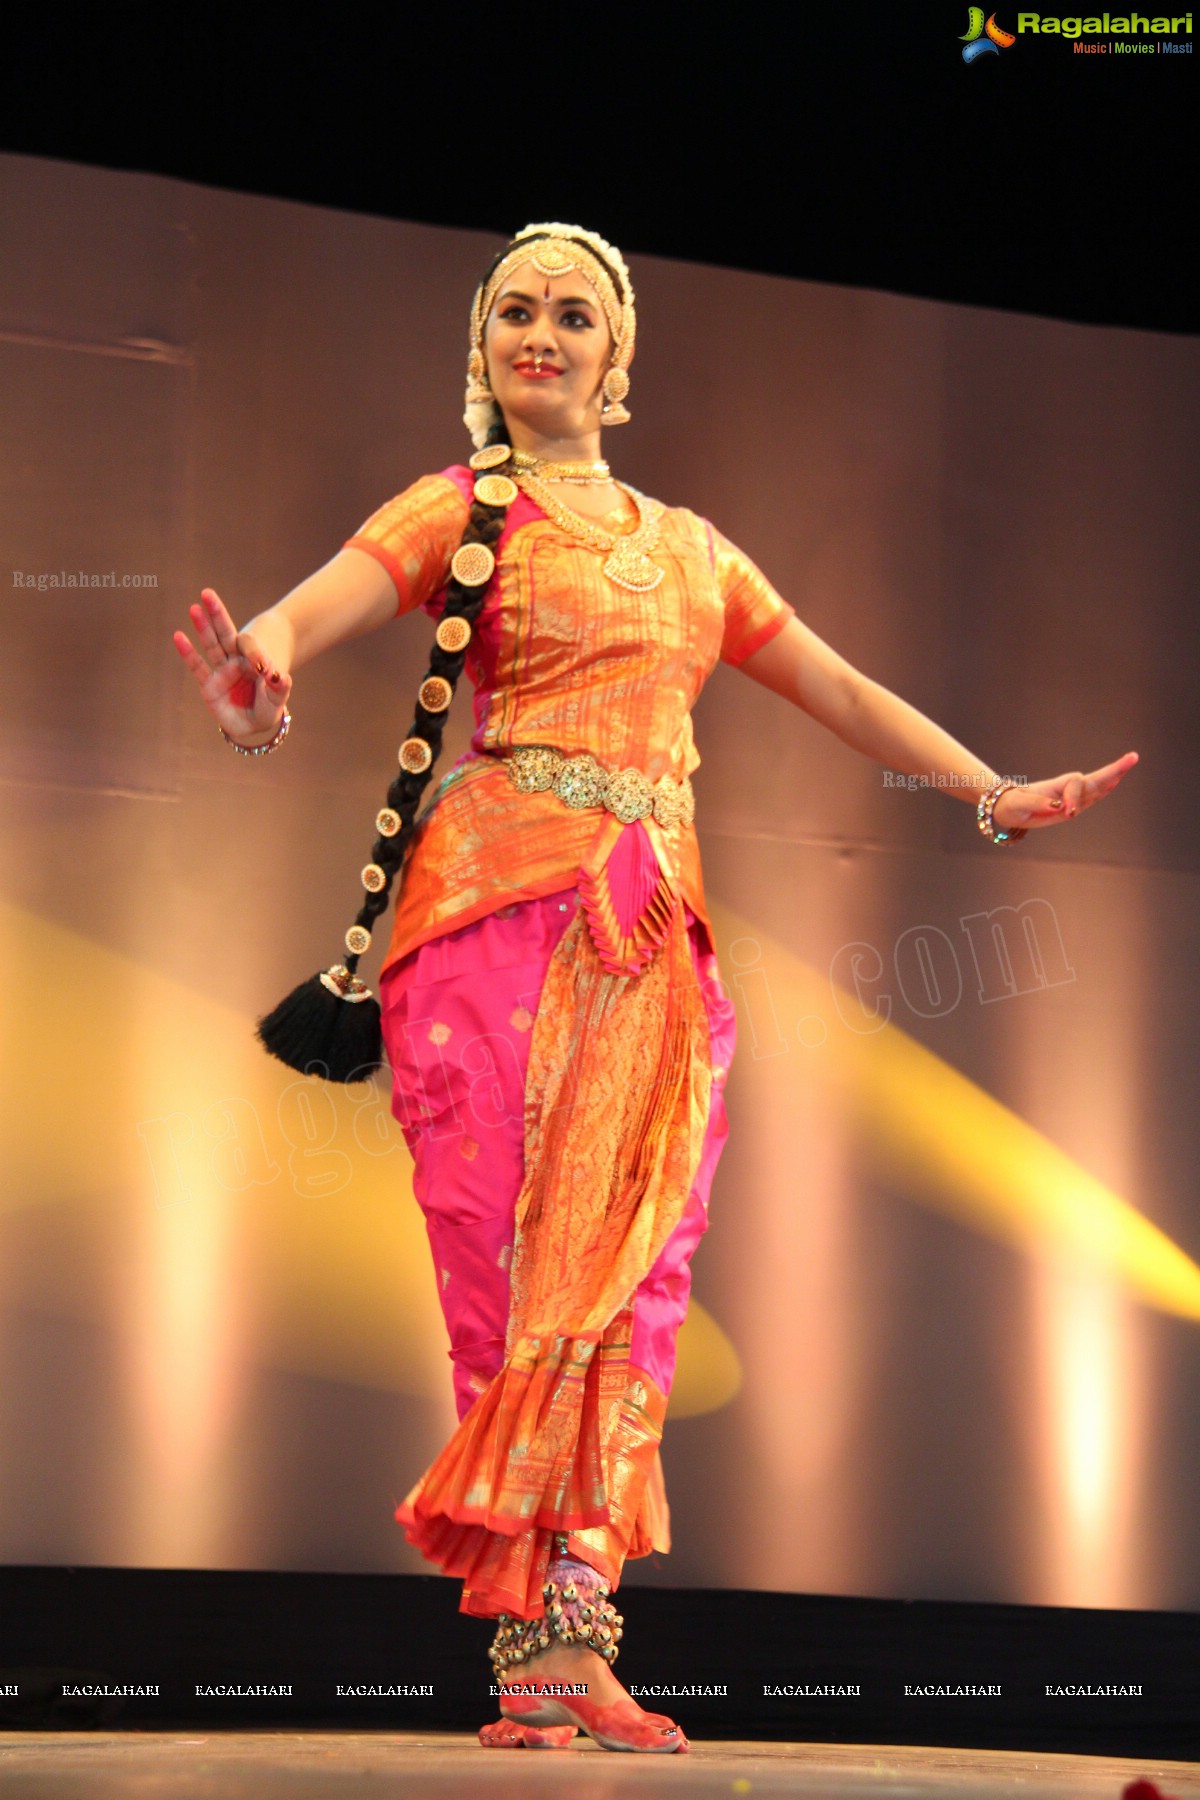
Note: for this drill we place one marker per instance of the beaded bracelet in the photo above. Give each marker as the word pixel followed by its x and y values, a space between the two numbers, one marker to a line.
pixel 260 749
pixel 985 809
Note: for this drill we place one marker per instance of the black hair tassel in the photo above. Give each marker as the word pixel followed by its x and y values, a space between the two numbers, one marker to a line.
pixel 318 1033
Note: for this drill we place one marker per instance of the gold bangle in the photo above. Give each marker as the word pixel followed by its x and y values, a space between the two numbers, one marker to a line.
pixel 260 749
pixel 987 806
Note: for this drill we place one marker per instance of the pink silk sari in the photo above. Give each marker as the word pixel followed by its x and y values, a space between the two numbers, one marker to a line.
pixel 458 1017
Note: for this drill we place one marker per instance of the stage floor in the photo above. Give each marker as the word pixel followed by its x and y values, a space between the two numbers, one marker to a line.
pixel 262 1765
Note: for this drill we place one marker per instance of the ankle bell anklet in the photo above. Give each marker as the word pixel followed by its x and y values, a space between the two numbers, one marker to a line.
pixel 576 1613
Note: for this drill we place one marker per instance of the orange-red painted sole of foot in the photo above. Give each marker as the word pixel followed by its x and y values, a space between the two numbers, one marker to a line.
pixel 507 1734
pixel 620 1726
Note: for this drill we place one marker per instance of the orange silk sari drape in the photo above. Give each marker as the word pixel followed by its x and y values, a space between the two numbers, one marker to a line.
pixel 565 1439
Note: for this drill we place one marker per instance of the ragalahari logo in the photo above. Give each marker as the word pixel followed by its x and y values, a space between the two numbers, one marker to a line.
pixel 982 39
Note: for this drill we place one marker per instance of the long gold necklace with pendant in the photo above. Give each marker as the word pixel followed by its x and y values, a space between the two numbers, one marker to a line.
pixel 628 563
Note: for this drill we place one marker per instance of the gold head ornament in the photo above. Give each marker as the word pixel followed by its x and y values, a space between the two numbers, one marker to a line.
pixel 554 249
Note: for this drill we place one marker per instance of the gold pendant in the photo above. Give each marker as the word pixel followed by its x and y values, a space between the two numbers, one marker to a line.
pixel 627 562
pixel 630 568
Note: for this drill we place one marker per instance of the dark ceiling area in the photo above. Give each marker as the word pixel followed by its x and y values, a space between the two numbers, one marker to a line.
pixel 833 144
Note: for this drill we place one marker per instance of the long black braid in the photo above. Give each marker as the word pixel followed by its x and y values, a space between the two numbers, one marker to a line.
pixel 317 1030
pixel 484 526
pixel 331 1024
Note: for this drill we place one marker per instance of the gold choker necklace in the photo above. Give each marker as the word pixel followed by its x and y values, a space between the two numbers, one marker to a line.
pixel 581 474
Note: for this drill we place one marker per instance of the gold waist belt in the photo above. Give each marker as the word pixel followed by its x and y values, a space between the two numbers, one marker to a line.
pixel 580 781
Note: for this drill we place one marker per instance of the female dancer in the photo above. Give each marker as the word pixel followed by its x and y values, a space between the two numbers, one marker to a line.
pixel 555 1026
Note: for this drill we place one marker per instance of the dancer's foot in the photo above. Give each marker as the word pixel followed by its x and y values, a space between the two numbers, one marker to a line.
pixel 607 1712
pixel 507 1734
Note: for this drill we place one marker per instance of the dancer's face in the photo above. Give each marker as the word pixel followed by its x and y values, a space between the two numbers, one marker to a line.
pixel 548 348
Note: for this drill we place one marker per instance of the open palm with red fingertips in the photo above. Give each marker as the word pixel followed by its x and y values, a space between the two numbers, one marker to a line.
pixel 1039 803
pixel 242 689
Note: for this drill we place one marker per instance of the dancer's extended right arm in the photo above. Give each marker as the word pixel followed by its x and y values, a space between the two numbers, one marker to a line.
pixel 245 677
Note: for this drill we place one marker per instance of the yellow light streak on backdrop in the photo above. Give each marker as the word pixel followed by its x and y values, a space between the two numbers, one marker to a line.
pixel 164 1175
pixel 218 1212
pixel 953 1147
pixel 837 1106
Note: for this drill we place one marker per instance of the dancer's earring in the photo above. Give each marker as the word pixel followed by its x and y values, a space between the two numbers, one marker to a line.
pixel 478 387
pixel 616 386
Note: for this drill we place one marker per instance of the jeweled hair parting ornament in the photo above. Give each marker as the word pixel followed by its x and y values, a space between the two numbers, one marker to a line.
pixel 555 249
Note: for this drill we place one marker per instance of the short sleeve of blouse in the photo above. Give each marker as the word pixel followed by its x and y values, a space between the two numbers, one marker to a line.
pixel 414 536
pixel 754 612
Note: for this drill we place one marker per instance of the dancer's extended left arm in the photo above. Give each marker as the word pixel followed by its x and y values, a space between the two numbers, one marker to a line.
pixel 800 666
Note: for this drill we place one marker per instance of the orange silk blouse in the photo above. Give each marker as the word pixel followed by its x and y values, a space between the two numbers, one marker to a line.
pixel 562 656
